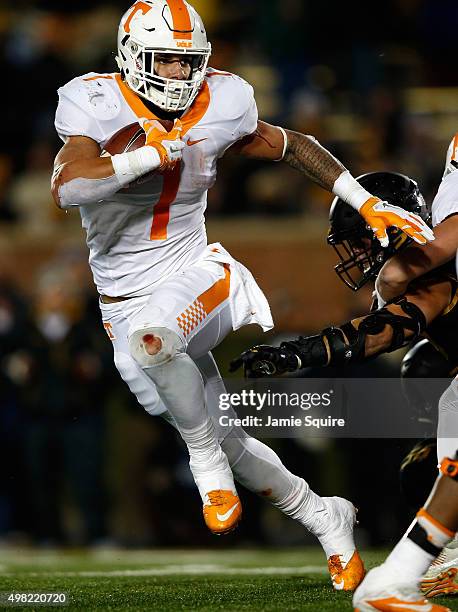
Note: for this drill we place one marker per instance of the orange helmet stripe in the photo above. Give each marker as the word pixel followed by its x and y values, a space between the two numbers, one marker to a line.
pixel 138 6
pixel 181 19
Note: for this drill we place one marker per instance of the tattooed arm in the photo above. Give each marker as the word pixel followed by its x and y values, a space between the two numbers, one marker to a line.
pixel 305 153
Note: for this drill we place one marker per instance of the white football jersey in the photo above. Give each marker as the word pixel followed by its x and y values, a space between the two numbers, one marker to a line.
pixel 446 201
pixel 155 226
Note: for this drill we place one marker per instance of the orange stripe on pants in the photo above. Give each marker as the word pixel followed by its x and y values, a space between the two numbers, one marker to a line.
pixel 217 293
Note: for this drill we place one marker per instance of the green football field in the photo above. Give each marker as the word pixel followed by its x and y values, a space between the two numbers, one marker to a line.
pixel 179 580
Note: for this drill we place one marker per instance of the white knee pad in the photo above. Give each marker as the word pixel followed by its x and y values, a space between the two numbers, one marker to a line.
pixel 172 345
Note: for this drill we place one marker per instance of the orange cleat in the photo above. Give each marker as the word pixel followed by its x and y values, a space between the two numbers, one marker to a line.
pixel 444 583
pixel 346 570
pixel 335 534
pixel 222 511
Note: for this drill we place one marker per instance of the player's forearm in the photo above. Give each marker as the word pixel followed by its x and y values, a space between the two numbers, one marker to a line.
pixel 304 153
pixel 414 262
pixel 86 181
pixel 378 344
pixel 384 330
pixel 83 181
pixel 95 168
pixel 336 348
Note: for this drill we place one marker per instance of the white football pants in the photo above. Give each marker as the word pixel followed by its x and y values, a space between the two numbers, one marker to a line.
pixel 194 305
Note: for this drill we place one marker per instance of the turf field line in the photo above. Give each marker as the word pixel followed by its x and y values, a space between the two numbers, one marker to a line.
pixel 184 570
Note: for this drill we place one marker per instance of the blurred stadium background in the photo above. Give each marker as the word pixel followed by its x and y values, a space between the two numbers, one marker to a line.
pixel 80 463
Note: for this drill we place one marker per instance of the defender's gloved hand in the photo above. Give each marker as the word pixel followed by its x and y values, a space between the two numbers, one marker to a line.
pixel 381 215
pixel 264 360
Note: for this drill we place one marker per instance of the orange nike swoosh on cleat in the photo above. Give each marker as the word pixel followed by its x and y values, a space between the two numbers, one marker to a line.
pixel 349 578
pixel 227 515
pixel 190 142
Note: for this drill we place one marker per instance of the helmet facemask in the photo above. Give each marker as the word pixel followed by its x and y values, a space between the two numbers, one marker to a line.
pixel 171 95
pixel 361 256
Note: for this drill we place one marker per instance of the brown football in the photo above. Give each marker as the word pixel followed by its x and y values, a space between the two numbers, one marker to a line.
pixel 130 138
pixel 126 139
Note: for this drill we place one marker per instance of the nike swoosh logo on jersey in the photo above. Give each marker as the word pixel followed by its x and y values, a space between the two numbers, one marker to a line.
pixel 227 515
pixel 190 142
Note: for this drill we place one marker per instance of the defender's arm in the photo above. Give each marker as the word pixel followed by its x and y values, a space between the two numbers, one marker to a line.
pixel 384 330
pixel 413 262
pixel 431 297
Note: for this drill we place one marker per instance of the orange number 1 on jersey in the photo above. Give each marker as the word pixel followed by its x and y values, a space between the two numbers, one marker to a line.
pixel 161 214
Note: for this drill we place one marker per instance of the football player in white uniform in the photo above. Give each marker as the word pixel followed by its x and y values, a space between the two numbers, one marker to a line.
pixel 394 585
pixel 399 577
pixel 166 297
pixel 396 581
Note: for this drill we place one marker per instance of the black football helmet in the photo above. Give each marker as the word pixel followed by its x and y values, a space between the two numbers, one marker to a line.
pixel 360 253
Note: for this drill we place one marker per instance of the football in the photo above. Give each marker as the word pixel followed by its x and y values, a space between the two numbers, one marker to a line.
pixel 126 139
pixel 130 138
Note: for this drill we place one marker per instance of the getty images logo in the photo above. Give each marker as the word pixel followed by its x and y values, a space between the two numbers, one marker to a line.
pixel 272 399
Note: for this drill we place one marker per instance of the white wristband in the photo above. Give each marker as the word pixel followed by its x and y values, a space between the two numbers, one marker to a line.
pixel 349 190
pixel 129 166
pixel 285 145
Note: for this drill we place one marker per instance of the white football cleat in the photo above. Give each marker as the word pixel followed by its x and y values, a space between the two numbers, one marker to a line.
pixel 382 591
pixel 222 508
pixel 336 537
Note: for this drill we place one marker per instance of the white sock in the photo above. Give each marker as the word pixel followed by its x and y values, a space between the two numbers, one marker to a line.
pixel 256 466
pixel 409 560
pixel 181 388
pixel 260 470
pixel 303 505
pixel 447 447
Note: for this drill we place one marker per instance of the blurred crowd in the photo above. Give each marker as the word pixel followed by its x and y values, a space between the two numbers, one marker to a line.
pixel 353 75
pixel 80 461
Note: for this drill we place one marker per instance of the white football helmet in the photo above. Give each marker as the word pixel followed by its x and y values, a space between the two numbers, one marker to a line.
pixel 162 26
